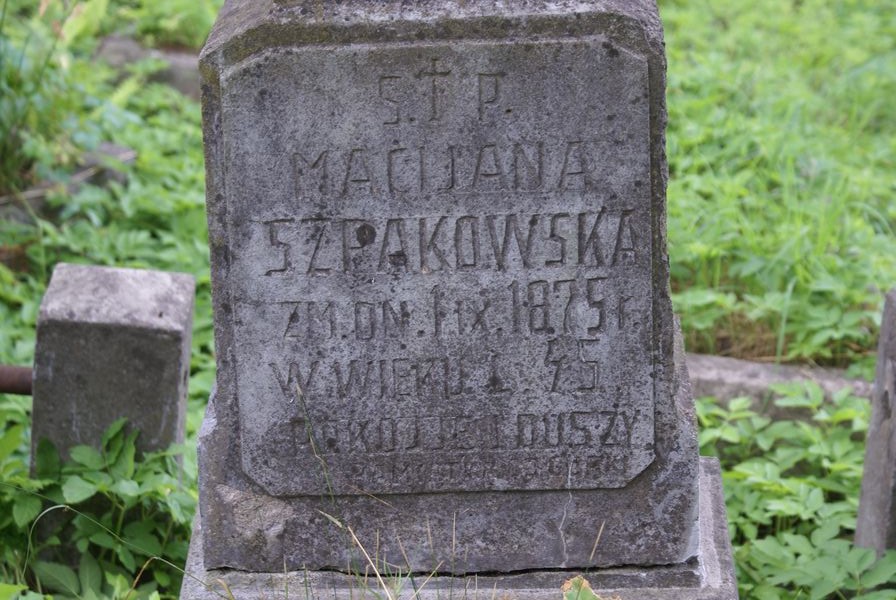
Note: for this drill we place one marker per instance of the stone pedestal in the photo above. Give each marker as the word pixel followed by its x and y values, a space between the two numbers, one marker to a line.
pixel 708 576
pixel 112 343
pixel 442 309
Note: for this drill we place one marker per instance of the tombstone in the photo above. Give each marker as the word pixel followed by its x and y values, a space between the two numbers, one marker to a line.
pixel 876 526
pixel 112 343
pixel 442 308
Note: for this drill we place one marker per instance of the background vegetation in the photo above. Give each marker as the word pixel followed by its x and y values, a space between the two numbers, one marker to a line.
pixel 782 141
pixel 781 145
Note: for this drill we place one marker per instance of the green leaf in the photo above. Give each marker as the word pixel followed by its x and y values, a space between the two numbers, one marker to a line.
pixel 77 490
pixel 772 548
pixel 147 544
pixel 827 531
pixel 815 500
pixel 89 595
pixel 883 571
pixel 741 403
pixel 90 575
pixel 578 588
pixel 113 430
pixel 25 509
pixel 859 559
pixel 124 464
pixel 120 584
pixel 11 440
pixel 878 595
pixel 798 543
pixel 87 456
pixel 822 589
pixel 84 19
pixel 127 558
pixel 9 591
pixel 126 488
pixel 127 89
pixel 57 577
pixel 162 578
pixel 140 535
pixel 104 540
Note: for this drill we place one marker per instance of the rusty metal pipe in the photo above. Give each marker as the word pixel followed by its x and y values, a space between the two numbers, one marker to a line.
pixel 15 380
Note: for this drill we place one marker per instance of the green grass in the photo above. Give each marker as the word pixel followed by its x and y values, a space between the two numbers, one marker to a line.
pixel 781 144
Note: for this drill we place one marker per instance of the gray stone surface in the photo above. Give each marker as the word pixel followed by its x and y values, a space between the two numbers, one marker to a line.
pixel 180 71
pixel 876 525
pixel 441 289
pixel 709 577
pixel 728 378
pixel 112 343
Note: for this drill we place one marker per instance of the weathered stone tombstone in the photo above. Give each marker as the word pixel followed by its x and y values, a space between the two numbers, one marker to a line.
pixel 112 343
pixel 441 303
pixel 876 523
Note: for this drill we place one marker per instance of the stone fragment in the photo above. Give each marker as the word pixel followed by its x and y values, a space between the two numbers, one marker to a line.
pixel 876 525
pixel 180 69
pixel 112 343
pixel 728 378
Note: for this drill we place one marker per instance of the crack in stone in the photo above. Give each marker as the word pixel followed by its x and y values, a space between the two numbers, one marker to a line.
pixel 563 518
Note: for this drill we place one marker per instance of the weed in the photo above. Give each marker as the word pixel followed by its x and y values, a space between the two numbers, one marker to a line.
pixel 125 521
pixel 791 491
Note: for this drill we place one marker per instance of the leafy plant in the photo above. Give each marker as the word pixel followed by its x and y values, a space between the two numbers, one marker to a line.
pixel 47 114
pixel 578 588
pixel 791 491
pixel 101 525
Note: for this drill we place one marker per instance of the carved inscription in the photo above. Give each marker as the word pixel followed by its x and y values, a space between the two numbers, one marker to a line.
pixel 466 434
pixel 573 370
pixel 444 268
pixel 426 245
pixel 396 89
pixel 405 168
pixel 581 308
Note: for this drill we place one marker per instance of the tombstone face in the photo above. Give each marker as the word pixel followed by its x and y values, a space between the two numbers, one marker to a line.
pixel 449 252
pixel 440 279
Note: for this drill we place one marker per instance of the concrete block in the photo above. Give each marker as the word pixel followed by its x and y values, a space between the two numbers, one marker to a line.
pixel 112 343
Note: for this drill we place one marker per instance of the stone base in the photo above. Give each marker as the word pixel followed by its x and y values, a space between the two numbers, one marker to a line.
pixel 708 576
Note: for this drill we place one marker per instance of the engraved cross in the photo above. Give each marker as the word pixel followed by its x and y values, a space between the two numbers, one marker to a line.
pixel 433 74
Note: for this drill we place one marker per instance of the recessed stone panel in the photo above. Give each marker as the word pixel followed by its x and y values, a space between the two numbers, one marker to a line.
pixel 442 266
